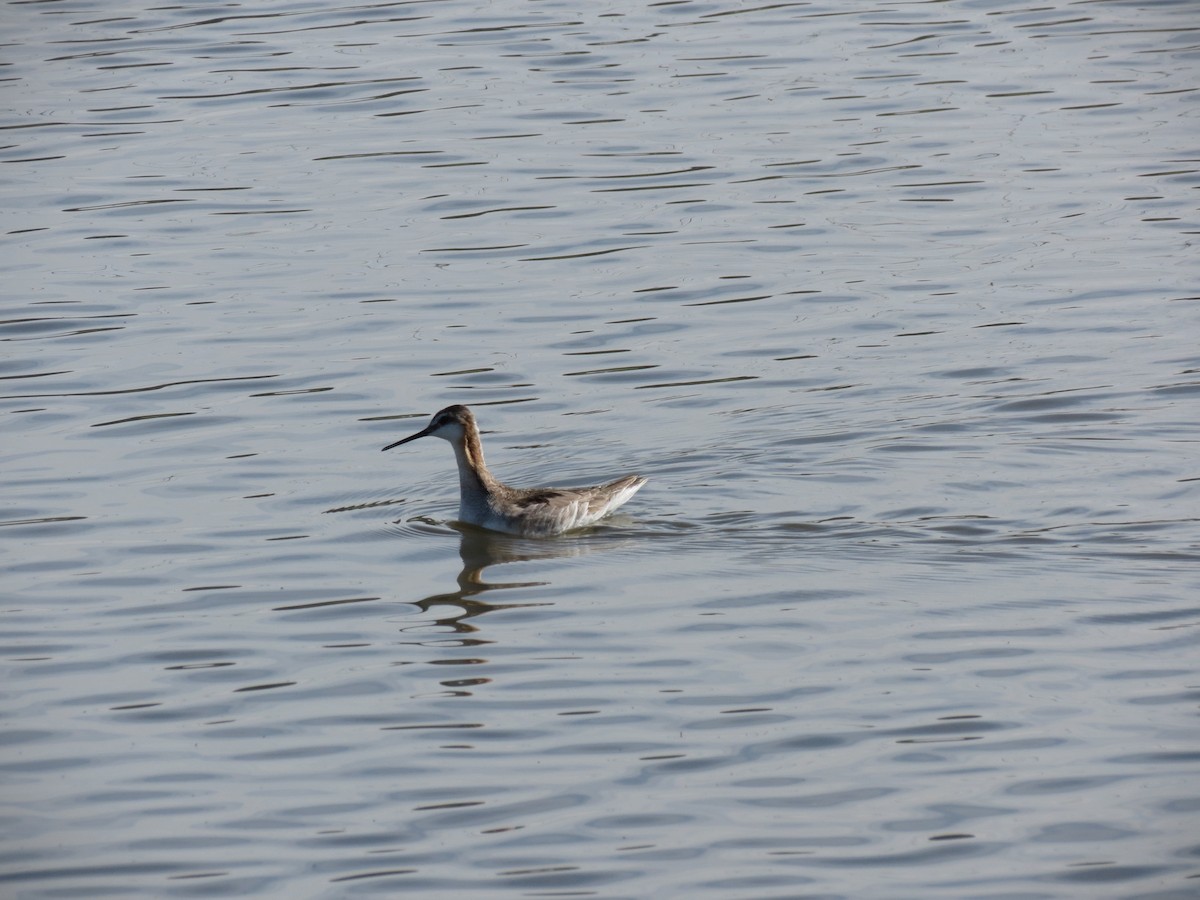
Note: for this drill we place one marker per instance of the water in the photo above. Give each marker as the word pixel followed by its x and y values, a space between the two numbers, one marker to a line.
pixel 894 304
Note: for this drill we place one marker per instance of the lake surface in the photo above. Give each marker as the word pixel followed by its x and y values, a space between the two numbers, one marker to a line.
pixel 895 304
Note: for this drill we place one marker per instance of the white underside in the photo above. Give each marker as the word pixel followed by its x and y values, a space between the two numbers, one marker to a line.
pixel 542 521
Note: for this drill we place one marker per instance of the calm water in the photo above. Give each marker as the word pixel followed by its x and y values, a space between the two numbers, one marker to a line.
pixel 896 305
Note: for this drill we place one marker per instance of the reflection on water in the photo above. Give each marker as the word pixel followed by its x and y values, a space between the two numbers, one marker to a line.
pixel 895 304
pixel 479 549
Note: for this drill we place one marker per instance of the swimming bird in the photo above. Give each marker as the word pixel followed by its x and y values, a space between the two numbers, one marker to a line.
pixel 488 503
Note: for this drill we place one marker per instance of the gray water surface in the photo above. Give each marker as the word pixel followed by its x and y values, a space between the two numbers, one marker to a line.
pixel 895 304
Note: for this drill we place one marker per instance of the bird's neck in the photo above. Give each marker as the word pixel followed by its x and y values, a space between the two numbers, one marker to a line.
pixel 473 476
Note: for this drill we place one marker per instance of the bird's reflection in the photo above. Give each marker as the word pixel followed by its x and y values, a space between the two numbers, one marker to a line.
pixel 479 549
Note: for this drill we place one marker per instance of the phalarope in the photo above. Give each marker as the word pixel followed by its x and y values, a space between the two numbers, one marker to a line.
pixel 486 502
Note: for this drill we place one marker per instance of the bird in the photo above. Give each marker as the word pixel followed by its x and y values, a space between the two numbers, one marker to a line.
pixel 536 512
